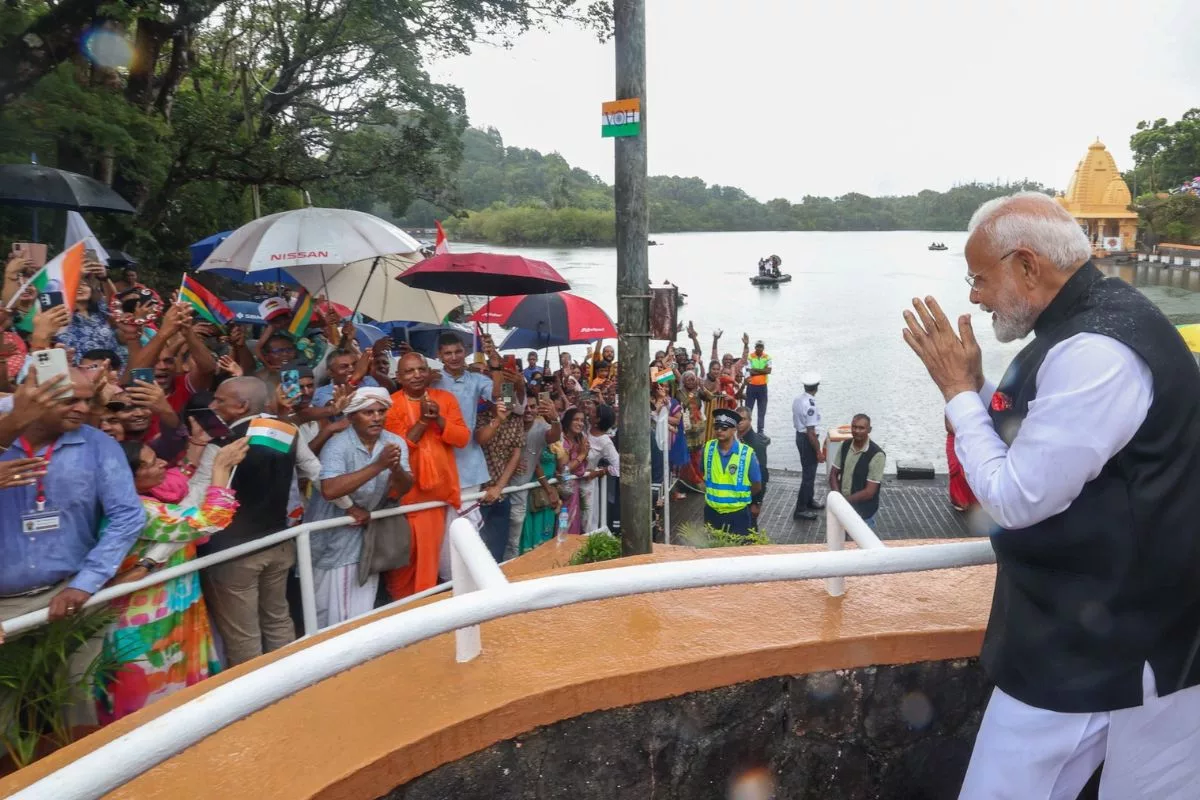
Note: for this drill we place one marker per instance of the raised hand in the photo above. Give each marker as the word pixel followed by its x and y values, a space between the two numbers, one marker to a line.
pixel 746 339
pixel 430 409
pixel 342 395
pixel 237 336
pixel 147 394
pixel 954 363
pixel 503 410
pixel 389 458
pixel 227 364
pixel 31 400
pixel 232 454
pixel 196 433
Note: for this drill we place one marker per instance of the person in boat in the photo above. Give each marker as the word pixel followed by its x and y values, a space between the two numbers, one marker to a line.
pixel 762 268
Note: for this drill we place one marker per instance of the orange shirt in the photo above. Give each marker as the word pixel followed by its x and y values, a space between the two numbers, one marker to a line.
pixel 431 459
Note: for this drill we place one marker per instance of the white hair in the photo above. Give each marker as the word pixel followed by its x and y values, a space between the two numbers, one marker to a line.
pixel 1034 221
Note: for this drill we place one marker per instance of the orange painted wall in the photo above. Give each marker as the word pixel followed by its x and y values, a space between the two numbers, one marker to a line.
pixel 361 733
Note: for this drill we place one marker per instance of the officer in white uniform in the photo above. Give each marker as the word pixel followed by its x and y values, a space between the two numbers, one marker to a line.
pixel 806 419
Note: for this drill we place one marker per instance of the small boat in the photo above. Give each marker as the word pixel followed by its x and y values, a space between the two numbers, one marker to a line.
pixel 769 280
pixel 938 246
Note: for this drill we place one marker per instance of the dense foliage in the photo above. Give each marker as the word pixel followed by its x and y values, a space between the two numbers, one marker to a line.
pixel 1166 157
pixel 185 107
pixel 524 197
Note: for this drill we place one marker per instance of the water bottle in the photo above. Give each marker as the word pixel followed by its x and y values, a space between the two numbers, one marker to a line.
pixel 564 522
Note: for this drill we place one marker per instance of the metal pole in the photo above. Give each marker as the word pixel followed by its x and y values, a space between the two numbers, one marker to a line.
pixel 668 486
pixel 633 284
pixel 308 595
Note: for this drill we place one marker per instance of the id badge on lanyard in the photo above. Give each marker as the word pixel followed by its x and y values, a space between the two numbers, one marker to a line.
pixel 41 519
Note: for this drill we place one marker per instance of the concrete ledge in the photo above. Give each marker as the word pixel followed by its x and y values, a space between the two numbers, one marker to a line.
pixel 379 726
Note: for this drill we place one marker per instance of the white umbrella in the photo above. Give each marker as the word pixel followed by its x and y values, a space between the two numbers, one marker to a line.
pixel 370 286
pixel 306 237
pixel 349 257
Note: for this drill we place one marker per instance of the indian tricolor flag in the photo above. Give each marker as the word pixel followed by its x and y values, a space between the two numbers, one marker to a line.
pixel 60 275
pixel 271 433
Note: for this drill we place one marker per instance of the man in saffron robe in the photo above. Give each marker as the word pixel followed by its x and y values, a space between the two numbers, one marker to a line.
pixel 432 425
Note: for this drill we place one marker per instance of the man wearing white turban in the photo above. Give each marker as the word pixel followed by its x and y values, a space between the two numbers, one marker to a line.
pixel 366 463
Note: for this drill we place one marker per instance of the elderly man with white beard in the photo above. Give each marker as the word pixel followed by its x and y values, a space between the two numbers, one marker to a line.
pixel 1086 457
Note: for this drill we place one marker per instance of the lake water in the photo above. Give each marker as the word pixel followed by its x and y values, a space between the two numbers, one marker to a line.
pixel 840 316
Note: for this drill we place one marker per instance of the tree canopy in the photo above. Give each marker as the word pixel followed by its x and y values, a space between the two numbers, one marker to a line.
pixel 185 106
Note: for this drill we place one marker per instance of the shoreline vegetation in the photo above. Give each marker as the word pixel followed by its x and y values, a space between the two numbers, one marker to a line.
pixel 524 197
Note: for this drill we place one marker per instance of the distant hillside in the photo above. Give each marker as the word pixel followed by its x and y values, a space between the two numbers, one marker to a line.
pixel 519 196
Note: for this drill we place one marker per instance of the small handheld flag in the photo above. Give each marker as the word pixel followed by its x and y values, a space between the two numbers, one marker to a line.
pixel 302 313
pixel 207 305
pixel 441 245
pixel 62 274
pixel 272 433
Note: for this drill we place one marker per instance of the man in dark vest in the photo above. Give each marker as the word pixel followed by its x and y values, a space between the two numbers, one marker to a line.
pixel 858 473
pixel 1086 457
pixel 247 597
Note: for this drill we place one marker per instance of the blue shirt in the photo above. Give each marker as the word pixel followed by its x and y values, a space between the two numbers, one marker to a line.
pixel 92 332
pixel 88 479
pixel 342 454
pixel 468 389
pixel 324 394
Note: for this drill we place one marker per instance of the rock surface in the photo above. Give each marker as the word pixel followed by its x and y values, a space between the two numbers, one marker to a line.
pixel 897 732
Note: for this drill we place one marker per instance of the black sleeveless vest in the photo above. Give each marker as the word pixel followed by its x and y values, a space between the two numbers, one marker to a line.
pixel 858 481
pixel 1085 598
pixel 262 483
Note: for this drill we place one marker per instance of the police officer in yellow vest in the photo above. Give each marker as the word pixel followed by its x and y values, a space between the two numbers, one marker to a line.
pixel 732 476
pixel 758 368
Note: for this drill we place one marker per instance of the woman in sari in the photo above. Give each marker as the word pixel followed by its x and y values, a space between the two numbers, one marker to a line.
pixel 575 442
pixel 161 637
pixel 539 523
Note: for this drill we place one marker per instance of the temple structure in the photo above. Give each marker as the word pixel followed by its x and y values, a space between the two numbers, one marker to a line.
pixel 1099 199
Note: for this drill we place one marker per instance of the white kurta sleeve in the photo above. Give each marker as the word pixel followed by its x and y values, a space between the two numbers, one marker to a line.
pixel 1093 393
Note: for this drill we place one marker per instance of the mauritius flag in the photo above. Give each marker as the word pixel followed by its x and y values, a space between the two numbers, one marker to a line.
pixel 271 433
pixel 208 306
pixel 302 312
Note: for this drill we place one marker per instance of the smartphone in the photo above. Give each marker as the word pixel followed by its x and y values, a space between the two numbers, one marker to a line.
pixel 33 252
pixel 290 380
pixel 507 393
pixel 510 364
pixel 144 374
pixel 48 300
pixel 210 422
pixel 543 397
pixel 50 364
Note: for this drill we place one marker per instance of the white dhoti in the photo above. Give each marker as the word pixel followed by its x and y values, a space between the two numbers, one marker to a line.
pixel 452 514
pixel 1151 752
pixel 339 597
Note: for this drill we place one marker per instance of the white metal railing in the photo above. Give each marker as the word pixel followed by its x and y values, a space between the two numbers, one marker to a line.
pixel 840 519
pixel 108 767
pixel 301 533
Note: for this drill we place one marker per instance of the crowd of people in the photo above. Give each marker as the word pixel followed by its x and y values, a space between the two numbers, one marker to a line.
pixel 171 438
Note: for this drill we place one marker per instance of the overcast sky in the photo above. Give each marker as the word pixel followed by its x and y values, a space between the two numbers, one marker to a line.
pixel 785 98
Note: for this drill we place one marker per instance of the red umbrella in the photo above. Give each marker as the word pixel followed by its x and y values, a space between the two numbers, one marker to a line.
pixel 489 274
pixel 560 315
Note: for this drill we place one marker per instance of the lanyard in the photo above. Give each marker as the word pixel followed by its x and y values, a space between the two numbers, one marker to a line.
pixel 41 488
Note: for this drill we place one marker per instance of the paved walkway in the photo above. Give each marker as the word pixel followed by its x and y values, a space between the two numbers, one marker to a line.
pixel 917 509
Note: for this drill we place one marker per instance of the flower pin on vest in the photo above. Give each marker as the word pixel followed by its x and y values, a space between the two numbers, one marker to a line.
pixel 1001 402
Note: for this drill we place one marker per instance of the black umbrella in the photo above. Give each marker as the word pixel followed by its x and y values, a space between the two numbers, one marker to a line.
pixel 36 185
pixel 119 259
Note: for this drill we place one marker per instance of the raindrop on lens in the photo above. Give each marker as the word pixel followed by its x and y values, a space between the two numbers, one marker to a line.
pixel 107 48
pixel 753 784
pixel 916 710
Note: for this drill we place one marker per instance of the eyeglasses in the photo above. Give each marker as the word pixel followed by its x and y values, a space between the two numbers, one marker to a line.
pixel 972 280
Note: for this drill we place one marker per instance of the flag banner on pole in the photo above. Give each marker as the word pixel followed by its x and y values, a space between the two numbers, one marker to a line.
pixel 441 245
pixel 301 314
pixel 207 305
pixel 271 433
pixel 62 275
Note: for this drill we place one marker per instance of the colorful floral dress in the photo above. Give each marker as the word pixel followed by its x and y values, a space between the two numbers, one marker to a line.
pixel 161 636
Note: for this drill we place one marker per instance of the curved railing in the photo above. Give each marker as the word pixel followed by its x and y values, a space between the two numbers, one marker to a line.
pixel 482 594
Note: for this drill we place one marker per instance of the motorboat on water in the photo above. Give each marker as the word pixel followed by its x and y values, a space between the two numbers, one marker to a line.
pixel 768 272
pixel 770 280
pixel 938 246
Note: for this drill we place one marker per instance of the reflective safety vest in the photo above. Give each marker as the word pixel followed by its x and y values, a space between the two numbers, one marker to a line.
pixel 758 363
pixel 727 488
